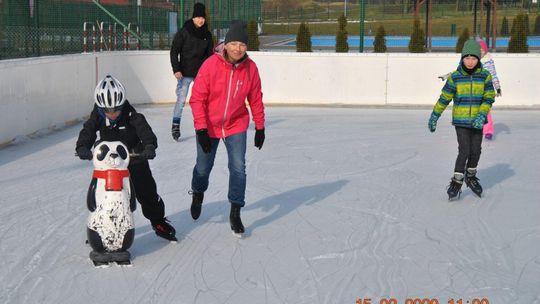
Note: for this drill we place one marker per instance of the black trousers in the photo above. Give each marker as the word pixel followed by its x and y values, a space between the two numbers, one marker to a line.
pixel 469 148
pixel 152 205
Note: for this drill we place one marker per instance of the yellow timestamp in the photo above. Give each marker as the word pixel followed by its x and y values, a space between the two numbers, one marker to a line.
pixel 422 301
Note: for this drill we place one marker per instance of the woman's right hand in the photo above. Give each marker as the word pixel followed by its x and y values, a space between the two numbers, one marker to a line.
pixel 178 75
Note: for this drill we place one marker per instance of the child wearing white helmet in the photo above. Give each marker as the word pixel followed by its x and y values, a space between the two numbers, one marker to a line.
pixel 116 120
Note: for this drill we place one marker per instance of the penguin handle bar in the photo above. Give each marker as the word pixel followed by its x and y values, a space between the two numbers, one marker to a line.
pixel 131 155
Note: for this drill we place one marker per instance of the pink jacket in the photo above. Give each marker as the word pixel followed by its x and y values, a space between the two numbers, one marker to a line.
pixel 218 97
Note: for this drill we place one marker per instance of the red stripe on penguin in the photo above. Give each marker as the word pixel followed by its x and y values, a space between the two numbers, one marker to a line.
pixel 113 178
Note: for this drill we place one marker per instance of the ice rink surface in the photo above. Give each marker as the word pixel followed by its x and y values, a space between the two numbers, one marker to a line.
pixel 342 204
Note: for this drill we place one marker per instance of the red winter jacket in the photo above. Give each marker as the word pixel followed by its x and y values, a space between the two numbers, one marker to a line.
pixel 218 97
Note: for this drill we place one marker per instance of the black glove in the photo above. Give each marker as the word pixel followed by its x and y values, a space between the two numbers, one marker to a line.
pixel 204 140
pixel 84 153
pixel 259 138
pixel 149 152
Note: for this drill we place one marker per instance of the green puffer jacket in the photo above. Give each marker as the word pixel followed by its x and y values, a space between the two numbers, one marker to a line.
pixel 472 94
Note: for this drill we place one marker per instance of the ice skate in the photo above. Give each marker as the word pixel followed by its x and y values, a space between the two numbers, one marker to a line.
pixel 236 223
pixel 196 204
pixel 473 182
pixel 175 130
pixel 454 189
pixel 164 229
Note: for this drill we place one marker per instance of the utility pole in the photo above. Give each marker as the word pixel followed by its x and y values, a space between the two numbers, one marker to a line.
pixel 428 25
pixel 181 13
pixel 362 17
pixel 475 9
pixel 494 26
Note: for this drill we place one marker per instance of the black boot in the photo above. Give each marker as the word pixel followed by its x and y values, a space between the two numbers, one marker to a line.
pixel 175 130
pixel 473 182
pixel 196 204
pixel 454 189
pixel 234 218
pixel 164 229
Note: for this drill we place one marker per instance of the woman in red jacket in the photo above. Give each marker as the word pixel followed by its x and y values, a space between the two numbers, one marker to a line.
pixel 218 103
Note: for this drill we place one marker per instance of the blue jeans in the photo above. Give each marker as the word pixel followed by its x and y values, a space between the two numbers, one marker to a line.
pixel 182 89
pixel 236 151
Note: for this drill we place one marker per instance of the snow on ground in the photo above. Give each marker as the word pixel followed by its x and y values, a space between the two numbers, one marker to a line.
pixel 342 204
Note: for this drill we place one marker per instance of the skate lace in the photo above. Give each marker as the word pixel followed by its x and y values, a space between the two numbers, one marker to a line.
pixel 454 185
pixel 473 181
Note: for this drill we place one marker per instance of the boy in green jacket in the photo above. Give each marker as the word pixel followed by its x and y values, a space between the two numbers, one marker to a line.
pixel 471 89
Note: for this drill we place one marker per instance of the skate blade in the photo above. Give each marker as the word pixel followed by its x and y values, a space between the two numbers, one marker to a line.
pixel 123 264
pixel 167 237
pixel 454 198
pixel 101 264
pixel 238 235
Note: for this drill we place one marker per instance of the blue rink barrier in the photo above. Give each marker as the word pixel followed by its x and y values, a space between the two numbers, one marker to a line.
pixel 403 41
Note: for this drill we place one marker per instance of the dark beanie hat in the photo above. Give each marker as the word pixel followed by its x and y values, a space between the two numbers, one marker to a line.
pixel 199 10
pixel 237 32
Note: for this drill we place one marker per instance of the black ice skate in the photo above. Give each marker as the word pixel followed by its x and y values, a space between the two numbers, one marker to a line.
pixel 473 182
pixel 236 223
pixel 454 189
pixel 105 259
pixel 164 229
pixel 196 204
pixel 175 130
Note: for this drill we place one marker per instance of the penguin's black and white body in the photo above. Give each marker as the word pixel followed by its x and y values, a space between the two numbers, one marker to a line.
pixel 111 201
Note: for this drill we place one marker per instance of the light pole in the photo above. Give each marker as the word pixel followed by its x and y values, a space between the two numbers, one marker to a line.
pixel 362 17
pixel 181 13
pixel 139 3
pixel 345 12
pixel 474 25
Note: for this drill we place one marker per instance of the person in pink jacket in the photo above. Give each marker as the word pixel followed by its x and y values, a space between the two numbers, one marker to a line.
pixel 489 64
pixel 218 103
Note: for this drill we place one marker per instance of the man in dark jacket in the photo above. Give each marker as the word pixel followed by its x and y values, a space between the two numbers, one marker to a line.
pixel 193 44
pixel 116 120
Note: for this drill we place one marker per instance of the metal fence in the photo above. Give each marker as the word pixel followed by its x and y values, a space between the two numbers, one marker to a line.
pixel 47 27
pixel 440 23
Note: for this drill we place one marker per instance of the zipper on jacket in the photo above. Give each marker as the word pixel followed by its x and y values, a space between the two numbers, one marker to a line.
pixel 236 90
pixel 227 103
pixel 470 99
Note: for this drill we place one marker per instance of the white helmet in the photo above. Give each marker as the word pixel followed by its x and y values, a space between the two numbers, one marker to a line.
pixel 110 94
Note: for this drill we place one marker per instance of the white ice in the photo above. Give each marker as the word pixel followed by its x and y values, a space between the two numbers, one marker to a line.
pixel 342 204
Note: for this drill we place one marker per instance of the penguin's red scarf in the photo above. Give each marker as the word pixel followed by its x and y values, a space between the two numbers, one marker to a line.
pixel 113 178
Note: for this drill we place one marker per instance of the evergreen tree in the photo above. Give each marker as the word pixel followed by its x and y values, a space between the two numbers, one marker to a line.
pixel 253 37
pixel 379 44
pixel 504 27
pixel 464 36
pixel 518 40
pixel 162 45
pixel 342 45
pixel 416 44
pixel 526 24
pixel 514 25
pixel 303 38
pixel 537 26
